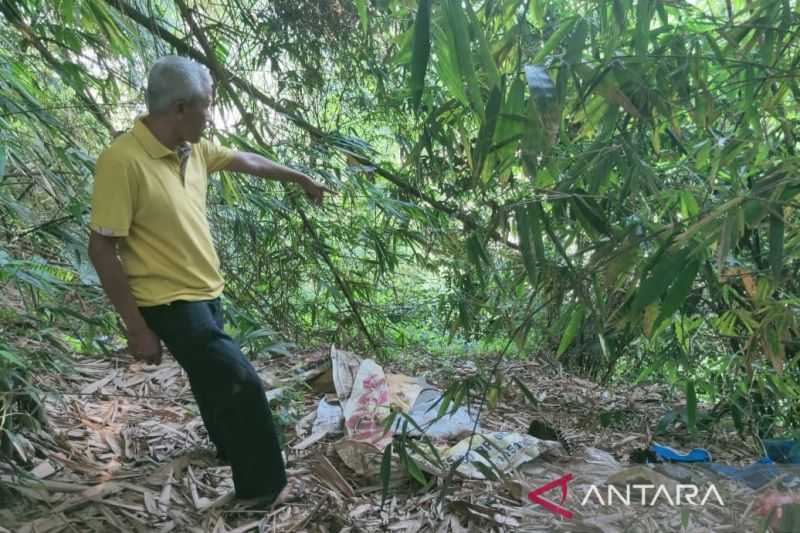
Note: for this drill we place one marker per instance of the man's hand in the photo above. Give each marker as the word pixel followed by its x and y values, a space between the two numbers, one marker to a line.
pixel 257 165
pixel 145 346
pixel 314 190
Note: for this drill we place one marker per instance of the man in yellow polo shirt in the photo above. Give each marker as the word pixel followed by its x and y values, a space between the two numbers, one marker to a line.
pixel 152 249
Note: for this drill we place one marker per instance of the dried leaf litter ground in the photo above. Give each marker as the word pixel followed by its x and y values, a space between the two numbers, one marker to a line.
pixel 124 449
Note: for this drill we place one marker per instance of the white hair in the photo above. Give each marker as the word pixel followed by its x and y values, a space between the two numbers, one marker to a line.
pixel 175 78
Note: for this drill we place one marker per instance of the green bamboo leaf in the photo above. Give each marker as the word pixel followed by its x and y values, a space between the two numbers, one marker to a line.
pixel 536 215
pixel 526 391
pixel 525 242
pixel 509 129
pixel 590 214
pixel 555 39
pixel 444 403
pixel 386 472
pixel 361 7
pixel 230 191
pixel 576 43
pixel 404 43
pixel 691 407
pixel 776 234
pixel 68 10
pixel 603 83
pixel 421 51
pixel 486 133
pixel 677 293
pixel 462 51
pixel 447 64
pixel 108 24
pixel 659 278
pixel 487 62
pixel 644 13
pixel 539 9
pixel 514 105
pixel 727 237
pixel 575 321
pixel 475 252
pixel 3 155
pixel 10 357
pixel 766 49
pixel 411 466
pixel 619 14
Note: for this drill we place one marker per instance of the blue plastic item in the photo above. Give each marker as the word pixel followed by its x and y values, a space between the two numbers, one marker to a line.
pixel 665 453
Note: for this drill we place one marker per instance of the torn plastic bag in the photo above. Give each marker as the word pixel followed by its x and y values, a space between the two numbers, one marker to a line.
pixel 453 424
pixel 329 420
pixel 403 391
pixel 344 367
pixel 505 451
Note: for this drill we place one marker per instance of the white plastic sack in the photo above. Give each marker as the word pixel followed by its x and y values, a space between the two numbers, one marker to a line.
pixel 452 424
pixel 329 420
pixel 506 451
pixel 344 367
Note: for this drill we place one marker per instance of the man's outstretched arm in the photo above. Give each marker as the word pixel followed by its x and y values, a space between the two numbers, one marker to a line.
pixel 257 165
pixel 142 342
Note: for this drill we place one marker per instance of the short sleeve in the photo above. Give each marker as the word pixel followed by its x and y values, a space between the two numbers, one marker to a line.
pixel 113 196
pixel 217 157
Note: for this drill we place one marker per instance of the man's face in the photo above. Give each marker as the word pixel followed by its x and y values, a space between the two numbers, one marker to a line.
pixel 195 116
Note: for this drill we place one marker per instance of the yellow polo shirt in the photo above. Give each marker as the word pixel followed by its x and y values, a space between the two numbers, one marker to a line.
pixel 141 194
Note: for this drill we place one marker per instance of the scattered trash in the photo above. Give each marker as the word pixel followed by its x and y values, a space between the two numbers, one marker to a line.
pixel 403 391
pixel 368 406
pixel 765 470
pixel 329 420
pixel 754 476
pixel 492 451
pixel 344 366
pixel 149 466
pixel 596 456
pixel 783 451
pixel 425 413
pixel 368 395
pixel 665 453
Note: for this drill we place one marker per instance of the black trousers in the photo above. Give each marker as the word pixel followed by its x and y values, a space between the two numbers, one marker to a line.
pixel 228 391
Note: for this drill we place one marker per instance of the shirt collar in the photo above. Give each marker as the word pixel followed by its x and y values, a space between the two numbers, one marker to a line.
pixel 151 145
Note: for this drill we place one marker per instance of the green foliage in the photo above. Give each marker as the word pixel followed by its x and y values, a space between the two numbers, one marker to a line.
pixel 641 192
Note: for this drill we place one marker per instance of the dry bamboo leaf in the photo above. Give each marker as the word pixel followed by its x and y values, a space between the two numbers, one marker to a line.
pixel 44 525
pixel 113 518
pixel 46 484
pixel 91 388
pixel 304 424
pixel 43 470
pixel 38 495
pixel 113 442
pixel 219 526
pixel 247 527
pixel 150 503
pixel 310 440
pixel 325 470
pixel 405 525
pixel 166 492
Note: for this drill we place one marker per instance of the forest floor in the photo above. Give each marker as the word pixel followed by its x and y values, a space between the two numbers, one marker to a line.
pixel 124 449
